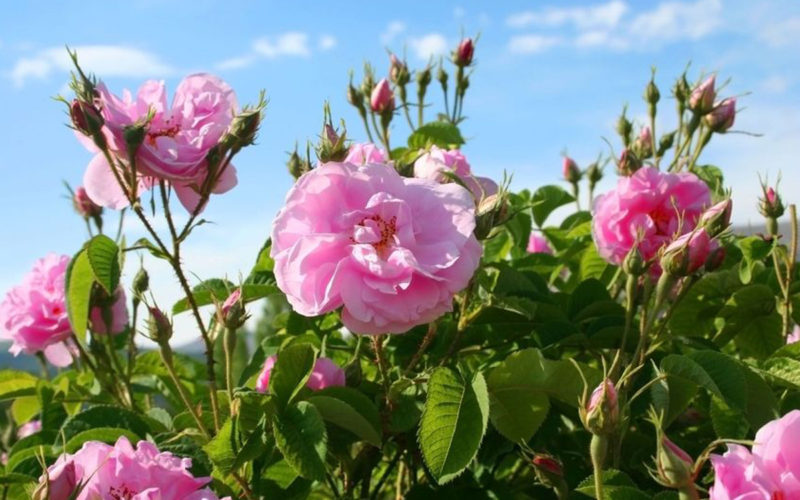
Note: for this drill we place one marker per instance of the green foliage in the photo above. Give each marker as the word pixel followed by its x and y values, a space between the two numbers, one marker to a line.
pixel 301 437
pixel 442 134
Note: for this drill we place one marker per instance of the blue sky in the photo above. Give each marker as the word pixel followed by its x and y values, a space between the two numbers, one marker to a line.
pixel 550 76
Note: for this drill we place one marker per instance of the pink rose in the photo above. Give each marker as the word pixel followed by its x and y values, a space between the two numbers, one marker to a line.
pixel 118 319
pixel 771 471
pixel 360 154
pixel 122 471
pixel 650 207
pixel 433 164
pixel 33 314
pixel 538 244
pixel 176 142
pixel 391 251
pixel 326 373
pixel 721 118
pixel 382 97
pixel 464 52
pixel 29 429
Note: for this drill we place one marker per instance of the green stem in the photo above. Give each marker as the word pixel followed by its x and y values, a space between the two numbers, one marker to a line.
pixel 43 365
pixel 575 193
pixel 229 344
pixel 426 341
pixel 366 126
pixel 598 450
pixel 630 310
pixel 790 266
pixel 690 128
pixel 166 356
pixel 688 492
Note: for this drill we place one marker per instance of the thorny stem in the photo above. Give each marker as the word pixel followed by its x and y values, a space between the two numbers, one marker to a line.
pixel 377 345
pixel 166 356
pixel 630 310
pixel 463 322
pixel 423 346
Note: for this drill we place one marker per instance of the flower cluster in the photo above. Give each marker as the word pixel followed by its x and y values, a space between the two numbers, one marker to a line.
pixel 390 251
pixel 99 470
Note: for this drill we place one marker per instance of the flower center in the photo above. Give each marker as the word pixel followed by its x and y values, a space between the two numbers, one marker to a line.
pixel 381 232
pixel 121 493
pixel 778 495
pixel 166 131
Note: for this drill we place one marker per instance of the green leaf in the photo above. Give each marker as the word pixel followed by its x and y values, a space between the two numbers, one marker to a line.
pixel 205 293
pixel 221 450
pixel 785 370
pixel 290 373
pixel 694 315
pixel 14 384
pixel 518 403
pixel 25 408
pixel 350 410
pixel 79 282
pixel 103 256
pixel 546 199
pixel 104 416
pixel 687 370
pixel 751 319
pixel 453 422
pixel 442 134
pixel 726 374
pixel 728 422
pixel 108 435
pixel 616 486
pixel 301 438
pixel 762 405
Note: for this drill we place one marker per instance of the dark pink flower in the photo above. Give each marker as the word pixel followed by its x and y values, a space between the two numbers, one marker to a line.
pixel 326 373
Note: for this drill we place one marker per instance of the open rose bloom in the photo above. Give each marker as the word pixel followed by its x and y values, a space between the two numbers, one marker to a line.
pixel 124 472
pixel 435 163
pixel 176 142
pixel 770 472
pixel 326 373
pixel 33 314
pixel 649 207
pixel 390 251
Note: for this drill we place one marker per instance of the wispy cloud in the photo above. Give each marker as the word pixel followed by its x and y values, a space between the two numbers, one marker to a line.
pixel 782 33
pixel 612 25
pixel 392 31
pixel 289 44
pixel 105 60
pixel 532 44
pixel 427 46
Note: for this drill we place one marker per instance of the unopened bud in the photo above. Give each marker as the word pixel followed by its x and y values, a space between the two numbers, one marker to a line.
pixel 651 93
pixel 141 283
pixel 624 128
pixel 628 163
pixel 134 136
pixel 681 91
pixel 634 263
pixel 771 205
pixel 368 83
pixel 715 259
pixel 85 117
pixel 382 98
pixel 159 326
pixel 721 118
pixel 594 173
pixel 442 76
pixel 463 54
pixel 59 483
pixel 424 77
pixel 548 470
pixel 570 171
pixel 491 211
pixel 717 218
pixel 398 71
pixel 644 143
pixel 665 143
pixel 686 254
pixel 600 414
pixel 331 146
pixel 355 97
pixel 701 100
pixel 675 468
pixel 232 313
pixel 244 128
pixel 296 165
pixel 84 205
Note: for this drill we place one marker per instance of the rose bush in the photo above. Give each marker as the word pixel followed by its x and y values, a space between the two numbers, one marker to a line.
pixel 408 329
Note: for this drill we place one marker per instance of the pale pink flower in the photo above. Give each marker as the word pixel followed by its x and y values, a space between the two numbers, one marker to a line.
pixel 771 471
pixel 437 162
pixel 702 96
pixel 361 153
pixel 649 207
pixel 721 118
pixel 326 373
pixel 176 142
pixel 389 250
pixel 118 319
pixel 29 428
pixel 604 392
pixel 794 336
pixel 33 314
pixel 122 471
pixel 538 244
pixel 232 299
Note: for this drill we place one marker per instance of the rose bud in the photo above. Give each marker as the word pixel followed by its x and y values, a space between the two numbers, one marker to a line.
pixel 85 117
pixel 382 98
pixel 600 414
pixel 232 313
pixel 550 473
pixel 651 93
pixel 159 326
pixel 665 142
pixel 674 466
pixel 570 171
pixel 686 254
pixel 715 259
pixel 717 218
pixel 702 98
pixel 595 174
pixel 634 263
pixel 771 204
pixel 628 163
pixel 441 76
pixel 398 71
pixel 59 483
pixel 721 118
pixel 644 143
pixel 332 146
pixel 296 165
pixel 463 54
pixel 84 205
pixel 624 128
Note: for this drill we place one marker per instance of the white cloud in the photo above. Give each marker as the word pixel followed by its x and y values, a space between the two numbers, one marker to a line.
pixel 104 60
pixel 677 20
pixel 605 15
pixel 237 62
pixel 775 84
pixel 327 42
pixel 532 44
pixel 427 46
pixel 782 33
pixel 393 29
pixel 293 43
